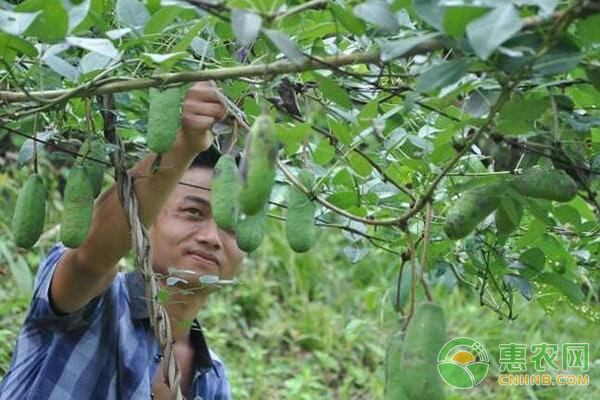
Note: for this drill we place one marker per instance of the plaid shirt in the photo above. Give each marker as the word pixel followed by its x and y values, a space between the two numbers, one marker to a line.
pixel 106 350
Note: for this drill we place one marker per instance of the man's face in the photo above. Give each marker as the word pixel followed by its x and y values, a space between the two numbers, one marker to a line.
pixel 185 236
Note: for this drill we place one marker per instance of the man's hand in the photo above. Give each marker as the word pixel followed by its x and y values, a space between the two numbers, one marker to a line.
pixel 201 108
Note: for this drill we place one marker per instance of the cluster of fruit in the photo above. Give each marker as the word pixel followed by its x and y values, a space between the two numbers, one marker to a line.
pixel 83 186
pixel 239 201
pixel 240 198
pixel 476 204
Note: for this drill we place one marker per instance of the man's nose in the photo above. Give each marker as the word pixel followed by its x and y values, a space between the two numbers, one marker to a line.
pixel 209 235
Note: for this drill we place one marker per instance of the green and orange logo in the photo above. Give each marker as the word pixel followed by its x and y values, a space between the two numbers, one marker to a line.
pixel 463 363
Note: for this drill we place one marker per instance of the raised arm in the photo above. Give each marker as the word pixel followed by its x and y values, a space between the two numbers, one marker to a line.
pixel 85 272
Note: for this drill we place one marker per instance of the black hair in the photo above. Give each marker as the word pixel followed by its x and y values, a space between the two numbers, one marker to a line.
pixel 209 158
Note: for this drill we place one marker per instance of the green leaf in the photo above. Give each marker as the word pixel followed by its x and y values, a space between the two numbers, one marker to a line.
pixel 534 258
pixel 161 19
pixel 202 48
pixel 17 44
pixel 343 178
pixel 538 212
pixel 61 67
pixel 348 20
pixel 53 15
pixel 443 74
pixel 115 34
pixel 286 45
pixel 567 215
pixel 431 12
pixel 517 116
pixel 245 25
pixel 494 28
pixel 100 46
pixel 324 152
pixel 398 48
pixel 163 58
pixel 564 286
pixel 332 91
pixel 535 229
pixel 186 40
pixel 93 62
pixel 77 12
pixel 593 74
pixel 341 131
pixel 15 23
pixel 343 200
pixel 360 165
pixel 553 249
pixel 292 136
pixel 378 13
pixel 588 29
pixel 560 58
pixel 508 205
pixel 367 114
pixel 520 283
pixel 132 13
pixel 546 7
pixel 456 18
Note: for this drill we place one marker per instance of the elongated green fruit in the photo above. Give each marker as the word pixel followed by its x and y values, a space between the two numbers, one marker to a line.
pixel 546 183
pixel 223 192
pixel 394 368
pixel 250 230
pixel 164 118
pixel 30 212
pixel 95 169
pixel 472 208
pixel 425 336
pixel 258 166
pixel 300 223
pixel 505 225
pixel 78 208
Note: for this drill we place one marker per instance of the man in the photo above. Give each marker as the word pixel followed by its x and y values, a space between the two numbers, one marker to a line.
pixel 87 334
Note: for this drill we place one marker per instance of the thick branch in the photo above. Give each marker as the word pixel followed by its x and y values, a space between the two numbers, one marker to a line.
pixel 276 68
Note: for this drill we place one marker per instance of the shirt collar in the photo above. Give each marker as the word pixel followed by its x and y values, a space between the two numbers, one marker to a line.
pixel 139 310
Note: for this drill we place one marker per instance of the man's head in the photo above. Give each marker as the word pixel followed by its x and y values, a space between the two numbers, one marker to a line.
pixel 185 236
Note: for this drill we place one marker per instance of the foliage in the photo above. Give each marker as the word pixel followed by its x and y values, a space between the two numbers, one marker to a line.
pixel 397 109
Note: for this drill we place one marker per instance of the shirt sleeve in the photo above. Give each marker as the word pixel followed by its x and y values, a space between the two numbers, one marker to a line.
pixel 43 313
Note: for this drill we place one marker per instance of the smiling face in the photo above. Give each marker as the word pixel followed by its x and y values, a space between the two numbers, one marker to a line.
pixel 185 236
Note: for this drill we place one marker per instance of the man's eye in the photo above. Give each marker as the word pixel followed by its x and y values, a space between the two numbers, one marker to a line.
pixel 193 211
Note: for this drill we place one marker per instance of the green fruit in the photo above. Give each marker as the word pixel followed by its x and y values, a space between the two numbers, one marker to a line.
pixel 472 208
pixel 30 212
pixel 78 208
pixel 95 169
pixel 505 224
pixel 258 166
pixel 394 369
pixel 300 223
pixel 164 118
pixel 424 339
pixel 546 183
pixel 250 230
pixel 224 193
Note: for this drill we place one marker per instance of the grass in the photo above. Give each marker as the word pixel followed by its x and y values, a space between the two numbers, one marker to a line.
pixel 314 326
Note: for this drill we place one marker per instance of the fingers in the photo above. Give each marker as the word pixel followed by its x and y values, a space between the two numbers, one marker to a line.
pixel 203 108
pixel 197 123
pixel 202 91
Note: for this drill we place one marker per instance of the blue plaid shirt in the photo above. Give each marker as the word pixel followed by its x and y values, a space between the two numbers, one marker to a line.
pixel 106 350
